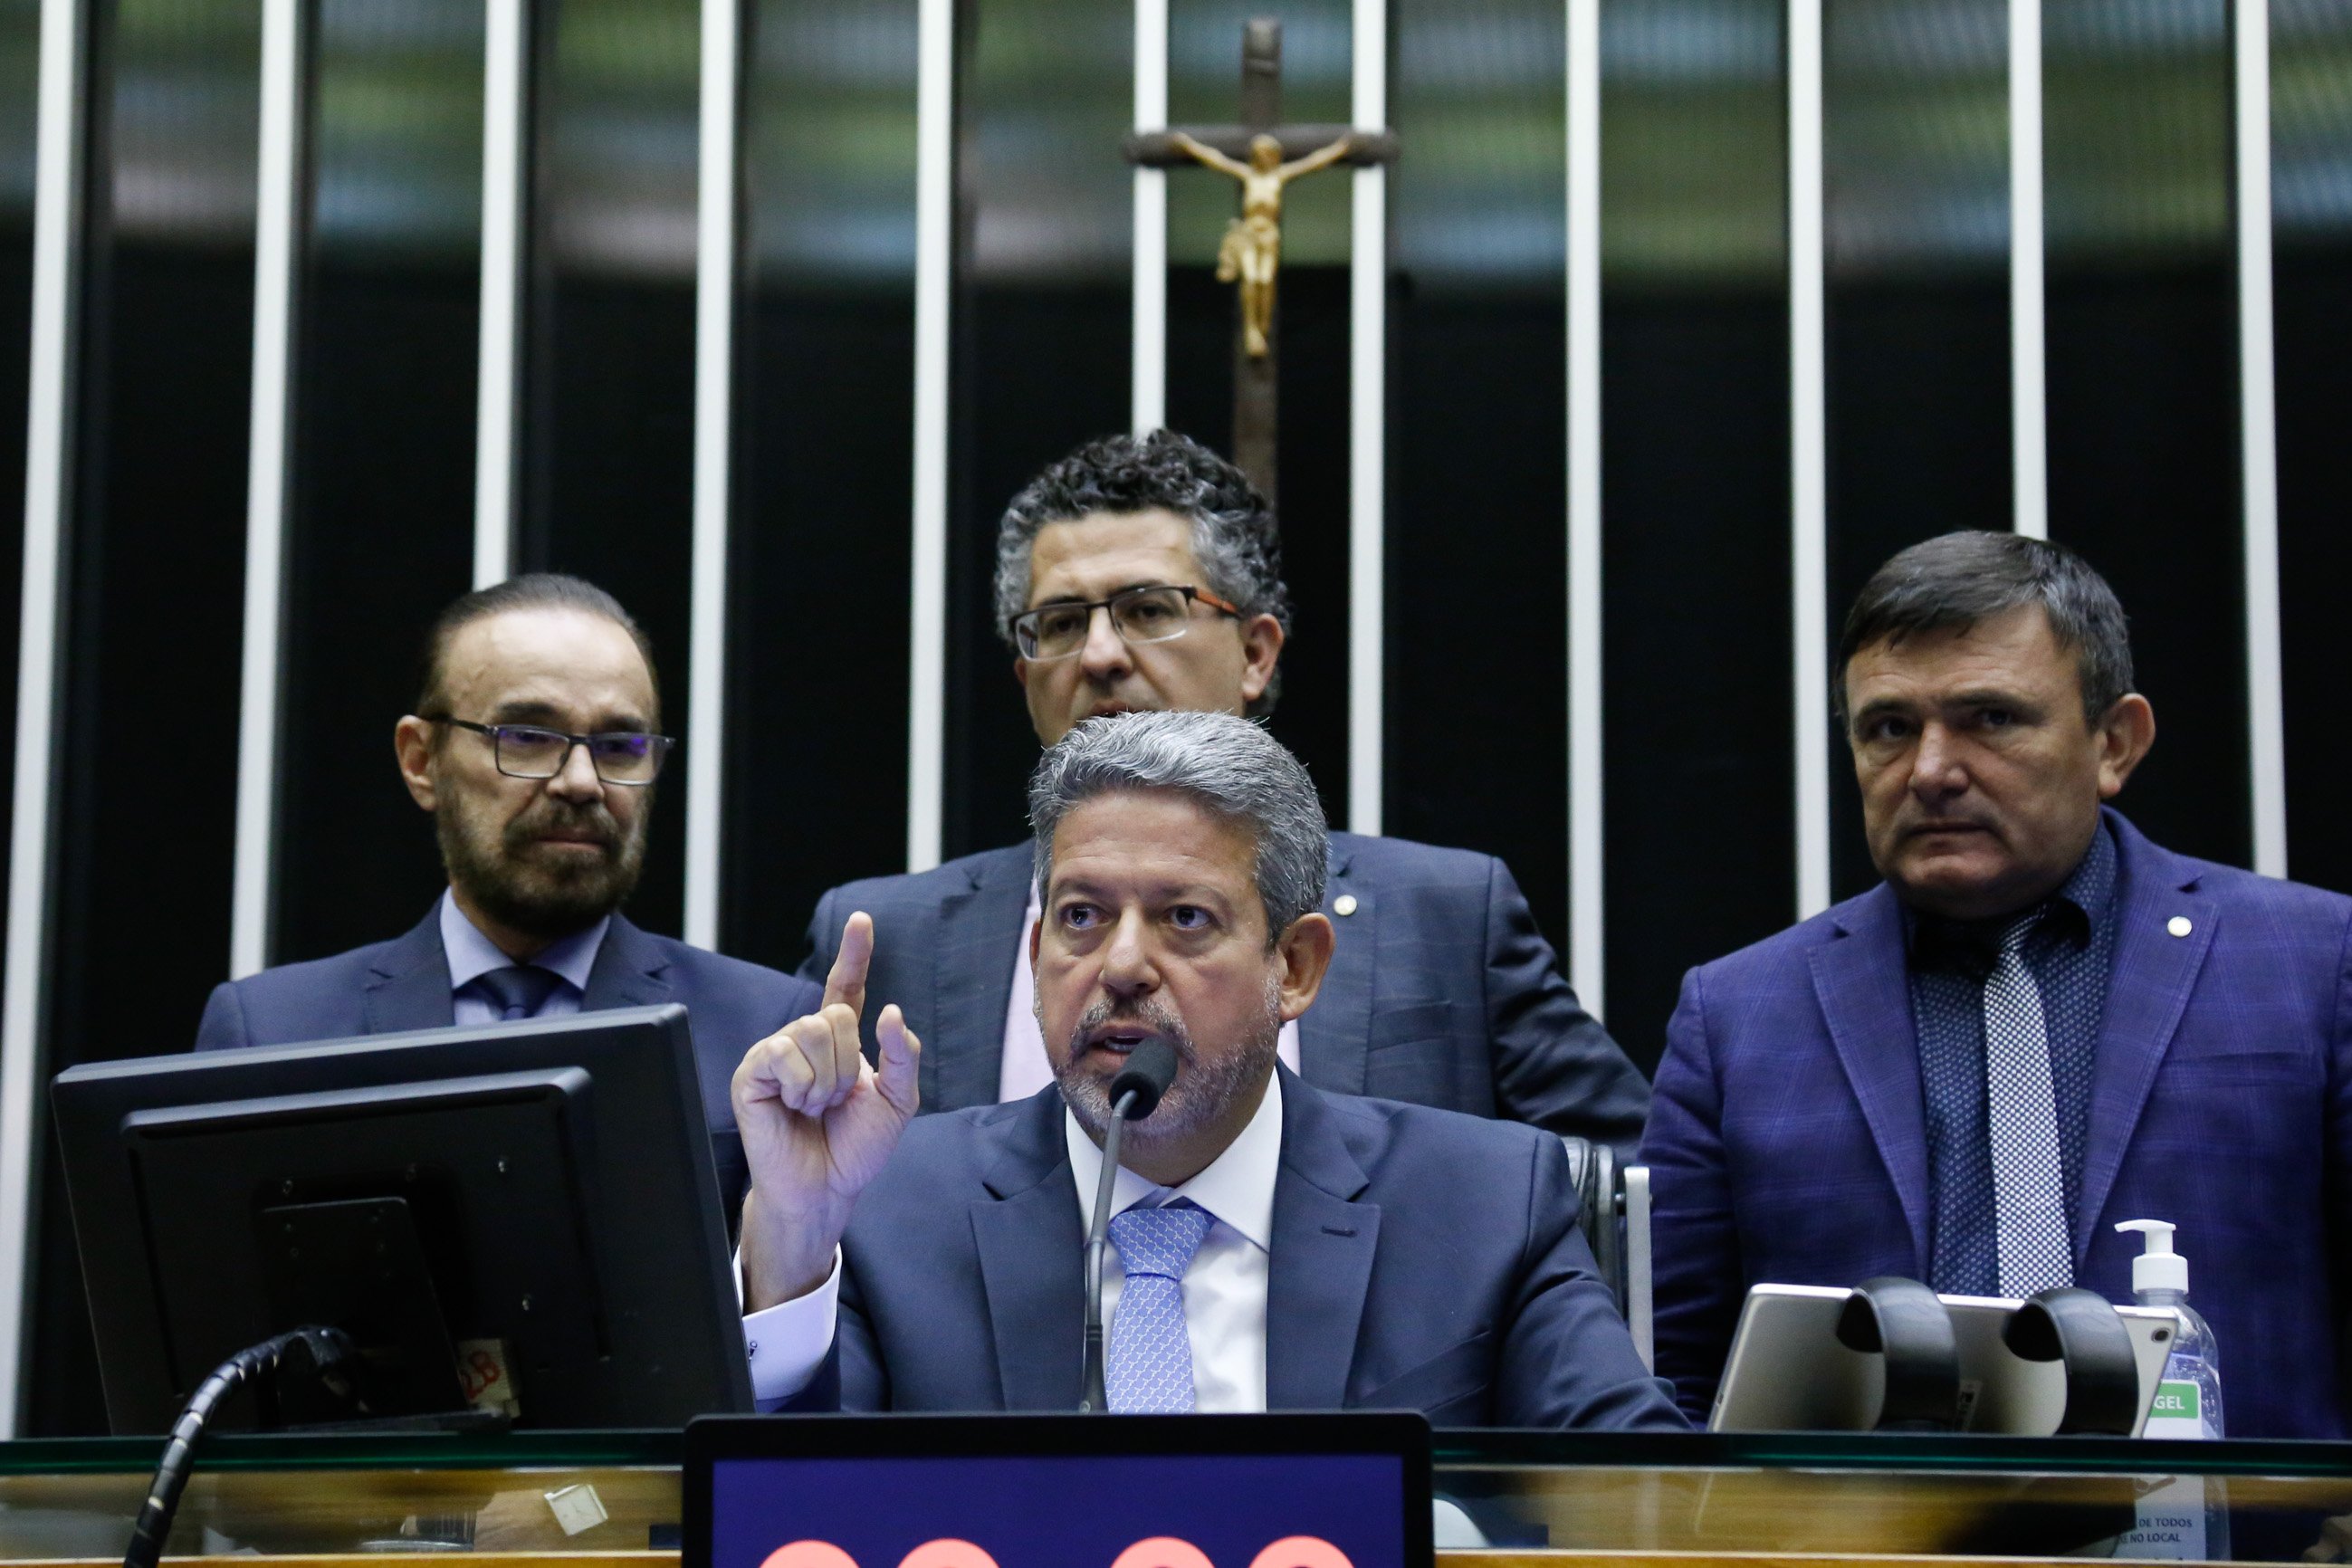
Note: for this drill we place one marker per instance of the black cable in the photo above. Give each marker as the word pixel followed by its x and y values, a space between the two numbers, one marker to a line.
pixel 327 1350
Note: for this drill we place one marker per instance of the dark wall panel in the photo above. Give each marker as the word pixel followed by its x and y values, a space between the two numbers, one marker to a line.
pixel 2314 389
pixel 2144 470
pixel 155 579
pixel 1698 781
pixel 607 453
pixel 380 531
pixel 1699 786
pixel 818 618
pixel 382 537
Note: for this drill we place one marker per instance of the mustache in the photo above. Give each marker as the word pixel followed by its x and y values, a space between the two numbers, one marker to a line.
pixel 1150 1013
pixel 592 821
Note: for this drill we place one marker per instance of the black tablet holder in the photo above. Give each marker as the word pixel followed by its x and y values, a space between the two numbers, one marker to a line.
pixel 1902 1321
pixel 2081 1331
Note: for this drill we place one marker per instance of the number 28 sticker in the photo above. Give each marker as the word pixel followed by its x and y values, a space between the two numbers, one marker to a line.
pixel 1158 1552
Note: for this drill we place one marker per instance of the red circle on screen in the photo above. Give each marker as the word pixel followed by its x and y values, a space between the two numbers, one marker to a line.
pixel 946 1553
pixel 1162 1552
pixel 1301 1552
pixel 811 1555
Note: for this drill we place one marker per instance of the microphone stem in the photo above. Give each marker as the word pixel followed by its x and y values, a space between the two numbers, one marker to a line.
pixel 1095 1400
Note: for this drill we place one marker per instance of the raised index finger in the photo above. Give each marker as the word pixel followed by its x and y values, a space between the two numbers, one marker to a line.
pixel 846 981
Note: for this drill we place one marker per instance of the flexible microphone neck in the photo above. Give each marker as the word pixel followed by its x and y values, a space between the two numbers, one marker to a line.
pixel 1135 1094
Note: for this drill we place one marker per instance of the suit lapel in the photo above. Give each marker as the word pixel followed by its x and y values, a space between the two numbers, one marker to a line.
pixel 1321 1261
pixel 973 956
pixel 630 971
pixel 1027 1234
pixel 1860 980
pixel 408 987
pixel 1334 1035
pixel 2148 989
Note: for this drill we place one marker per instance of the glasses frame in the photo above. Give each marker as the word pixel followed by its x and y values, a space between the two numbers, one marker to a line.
pixel 1192 594
pixel 663 745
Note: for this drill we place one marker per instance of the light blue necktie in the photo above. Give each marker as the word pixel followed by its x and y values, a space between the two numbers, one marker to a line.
pixel 1149 1370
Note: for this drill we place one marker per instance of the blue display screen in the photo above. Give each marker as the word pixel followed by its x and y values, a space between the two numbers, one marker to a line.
pixel 1287 1510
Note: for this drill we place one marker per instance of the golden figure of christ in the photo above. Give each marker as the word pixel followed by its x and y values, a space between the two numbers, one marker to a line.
pixel 1250 253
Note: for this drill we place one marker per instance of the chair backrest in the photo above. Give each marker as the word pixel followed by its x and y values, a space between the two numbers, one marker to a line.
pixel 1613 1212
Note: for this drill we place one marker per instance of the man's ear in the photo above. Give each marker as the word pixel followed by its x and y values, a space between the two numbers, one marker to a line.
pixel 1306 953
pixel 1262 640
pixel 2125 736
pixel 412 744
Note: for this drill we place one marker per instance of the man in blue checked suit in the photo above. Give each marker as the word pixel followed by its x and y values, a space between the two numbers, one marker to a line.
pixel 1145 573
pixel 2039 1025
pixel 534 745
pixel 1274 1246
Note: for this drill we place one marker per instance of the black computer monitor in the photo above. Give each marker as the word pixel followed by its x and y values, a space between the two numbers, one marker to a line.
pixel 520 1219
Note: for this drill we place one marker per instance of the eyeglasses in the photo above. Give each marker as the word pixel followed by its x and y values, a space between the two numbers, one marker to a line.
pixel 1138 615
pixel 527 752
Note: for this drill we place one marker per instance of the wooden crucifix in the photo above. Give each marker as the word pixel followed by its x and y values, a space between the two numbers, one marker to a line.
pixel 1262 155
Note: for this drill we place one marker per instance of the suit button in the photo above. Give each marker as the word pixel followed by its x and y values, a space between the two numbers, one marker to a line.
pixel 2178 925
pixel 1345 904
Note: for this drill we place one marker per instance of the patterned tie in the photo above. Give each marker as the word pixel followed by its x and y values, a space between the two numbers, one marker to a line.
pixel 1149 1369
pixel 2028 1180
pixel 517 991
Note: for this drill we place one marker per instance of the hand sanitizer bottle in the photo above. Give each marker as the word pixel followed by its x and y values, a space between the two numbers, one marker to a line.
pixel 2189 1516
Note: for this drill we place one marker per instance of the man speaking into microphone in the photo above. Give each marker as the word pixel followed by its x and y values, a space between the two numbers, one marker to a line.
pixel 1272 1245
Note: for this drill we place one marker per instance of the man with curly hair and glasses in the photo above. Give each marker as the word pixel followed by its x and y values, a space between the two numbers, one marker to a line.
pixel 1144 573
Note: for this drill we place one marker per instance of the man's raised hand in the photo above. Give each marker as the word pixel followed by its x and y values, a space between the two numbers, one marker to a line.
pixel 818 1122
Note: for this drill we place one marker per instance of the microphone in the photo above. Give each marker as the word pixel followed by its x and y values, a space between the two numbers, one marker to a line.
pixel 1134 1095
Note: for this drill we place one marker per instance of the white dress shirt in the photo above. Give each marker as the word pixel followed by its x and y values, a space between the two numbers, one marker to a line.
pixel 1024 1069
pixel 1223 1290
pixel 472 955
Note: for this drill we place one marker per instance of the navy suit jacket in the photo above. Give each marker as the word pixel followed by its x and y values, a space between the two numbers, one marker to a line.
pixel 1442 991
pixel 403 984
pixel 1421 1260
pixel 1787 1143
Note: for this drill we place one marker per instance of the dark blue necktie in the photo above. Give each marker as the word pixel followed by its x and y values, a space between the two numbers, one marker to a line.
pixel 517 991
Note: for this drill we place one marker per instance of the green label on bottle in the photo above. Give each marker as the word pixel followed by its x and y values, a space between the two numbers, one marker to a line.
pixel 2176 1401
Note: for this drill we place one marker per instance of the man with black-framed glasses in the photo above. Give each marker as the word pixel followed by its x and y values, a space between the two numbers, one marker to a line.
pixel 1141 573
pixel 536 743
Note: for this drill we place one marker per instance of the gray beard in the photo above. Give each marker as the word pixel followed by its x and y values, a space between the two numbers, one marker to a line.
pixel 1204 1092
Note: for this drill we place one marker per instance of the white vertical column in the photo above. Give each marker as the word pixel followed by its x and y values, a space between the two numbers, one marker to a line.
pixel 1147 372
pixel 1809 458
pixel 2028 405
pixel 934 269
pixel 278 228
pixel 506 50
pixel 1368 354
pixel 715 273
pixel 48 468
pixel 1586 886
pixel 2257 411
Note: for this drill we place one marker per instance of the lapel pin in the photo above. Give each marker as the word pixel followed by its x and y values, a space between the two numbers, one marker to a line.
pixel 1345 904
pixel 2178 925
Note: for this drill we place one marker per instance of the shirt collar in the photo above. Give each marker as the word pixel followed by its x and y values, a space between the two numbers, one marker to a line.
pixel 2072 913
pixel 1237 1187
pixel 472 955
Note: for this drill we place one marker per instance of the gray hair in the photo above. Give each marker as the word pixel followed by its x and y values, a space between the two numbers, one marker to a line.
pixel 1228 765
pixel 1956 580
pixel 1235 541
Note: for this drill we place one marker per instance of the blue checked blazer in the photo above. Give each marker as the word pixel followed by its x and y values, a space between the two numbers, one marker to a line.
pixel 1442 991
pixel 1787 1143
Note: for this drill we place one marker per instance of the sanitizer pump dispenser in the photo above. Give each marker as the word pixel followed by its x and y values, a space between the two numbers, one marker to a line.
pixel 2185 1516
pixel 2188 1400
